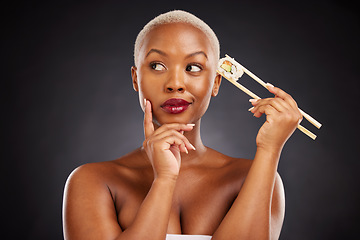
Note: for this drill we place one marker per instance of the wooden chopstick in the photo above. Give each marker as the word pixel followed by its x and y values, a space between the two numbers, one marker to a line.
pixel 253 95
pixel 253 76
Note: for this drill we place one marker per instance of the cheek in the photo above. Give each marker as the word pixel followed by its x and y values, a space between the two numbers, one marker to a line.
pixel 202 92
pixel 202 88
pixel 148 86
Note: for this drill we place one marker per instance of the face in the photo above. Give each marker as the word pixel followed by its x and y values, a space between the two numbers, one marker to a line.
pixel 176 72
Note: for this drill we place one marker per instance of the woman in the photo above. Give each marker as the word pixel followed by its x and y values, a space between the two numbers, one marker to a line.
pixel 174 184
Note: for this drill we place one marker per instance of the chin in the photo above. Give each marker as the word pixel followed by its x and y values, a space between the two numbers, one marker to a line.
pixel 173 118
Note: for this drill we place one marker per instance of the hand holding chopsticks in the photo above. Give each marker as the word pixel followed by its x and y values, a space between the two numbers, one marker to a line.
pixel 232 70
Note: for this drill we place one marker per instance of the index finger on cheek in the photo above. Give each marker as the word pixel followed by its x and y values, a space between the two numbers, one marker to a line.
pixel 148 125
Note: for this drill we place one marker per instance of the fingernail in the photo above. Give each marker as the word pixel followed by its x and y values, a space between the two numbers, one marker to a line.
pixel 145 102
pixel 251 109
pixel 186 151
pixel 269 85
pixel 253 100
pixel 192 146
pixel 190 124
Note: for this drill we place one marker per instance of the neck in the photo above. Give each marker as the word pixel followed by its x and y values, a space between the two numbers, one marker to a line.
pixel 194 137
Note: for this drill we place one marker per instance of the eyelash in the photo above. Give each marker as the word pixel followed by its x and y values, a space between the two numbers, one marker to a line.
pixel 194 64
pixel 153 66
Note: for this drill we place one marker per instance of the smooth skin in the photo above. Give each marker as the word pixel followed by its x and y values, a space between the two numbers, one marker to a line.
pixel 173 183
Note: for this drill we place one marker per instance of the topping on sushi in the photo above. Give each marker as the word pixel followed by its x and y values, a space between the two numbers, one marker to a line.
pixel 229 68
pixel 226 66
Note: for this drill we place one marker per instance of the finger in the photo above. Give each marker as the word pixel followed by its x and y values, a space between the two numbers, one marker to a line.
pixel 278 103
pixel 175 126
pixel 279 93
pixel 283 95
pixel 171 141
pixel 148 124
pixel 267 109
pixel 183 148
pixel 176 134
pixel 273 106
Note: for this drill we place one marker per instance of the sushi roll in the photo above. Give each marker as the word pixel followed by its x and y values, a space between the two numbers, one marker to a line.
pixel 229 68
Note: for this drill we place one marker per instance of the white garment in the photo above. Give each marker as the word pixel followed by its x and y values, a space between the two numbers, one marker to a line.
pixel 187 237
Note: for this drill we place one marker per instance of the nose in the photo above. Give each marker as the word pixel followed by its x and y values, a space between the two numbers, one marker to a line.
pixel 175 82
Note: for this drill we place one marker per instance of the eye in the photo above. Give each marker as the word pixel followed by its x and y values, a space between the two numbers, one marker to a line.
pixel 193 68
pixel 157 66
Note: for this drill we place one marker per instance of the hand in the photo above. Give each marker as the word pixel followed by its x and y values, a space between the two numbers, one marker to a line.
pixel 282 118
pixel 164 145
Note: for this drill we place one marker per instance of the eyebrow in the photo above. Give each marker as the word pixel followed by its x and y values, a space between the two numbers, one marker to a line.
pixel 196 53
pixel 154 50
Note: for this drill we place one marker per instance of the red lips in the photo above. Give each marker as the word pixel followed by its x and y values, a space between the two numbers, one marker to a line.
pixel 175 105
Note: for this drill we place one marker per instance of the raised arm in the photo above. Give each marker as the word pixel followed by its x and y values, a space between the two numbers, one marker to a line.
pixel 89 211
pixel 258 210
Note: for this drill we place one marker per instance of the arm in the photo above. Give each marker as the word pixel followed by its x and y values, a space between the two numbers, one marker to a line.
pixel 258 211
pixel 89 211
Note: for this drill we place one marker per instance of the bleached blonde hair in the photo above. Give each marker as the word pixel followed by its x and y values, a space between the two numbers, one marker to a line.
pixel 177 16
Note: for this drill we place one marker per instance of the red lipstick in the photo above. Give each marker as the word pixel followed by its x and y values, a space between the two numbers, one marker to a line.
pixel 175 105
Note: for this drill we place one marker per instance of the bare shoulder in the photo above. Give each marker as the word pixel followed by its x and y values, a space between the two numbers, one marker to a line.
pixel 230 165
pixel 110 181
pixel 237 168
pixel 106 171
pixel 90 172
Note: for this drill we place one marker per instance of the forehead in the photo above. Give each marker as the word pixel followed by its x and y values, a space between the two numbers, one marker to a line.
pixel 176 38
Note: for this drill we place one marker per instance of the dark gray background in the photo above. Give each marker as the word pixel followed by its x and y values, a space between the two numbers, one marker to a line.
pixel 69 101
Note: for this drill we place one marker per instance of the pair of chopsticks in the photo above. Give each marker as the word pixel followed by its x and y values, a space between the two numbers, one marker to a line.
pixel 251 94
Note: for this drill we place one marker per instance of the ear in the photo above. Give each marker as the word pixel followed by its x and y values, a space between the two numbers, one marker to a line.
pixel 134 78
pixel 216 86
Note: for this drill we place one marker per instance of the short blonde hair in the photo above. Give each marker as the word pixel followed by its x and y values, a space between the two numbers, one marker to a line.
pixel 177 16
